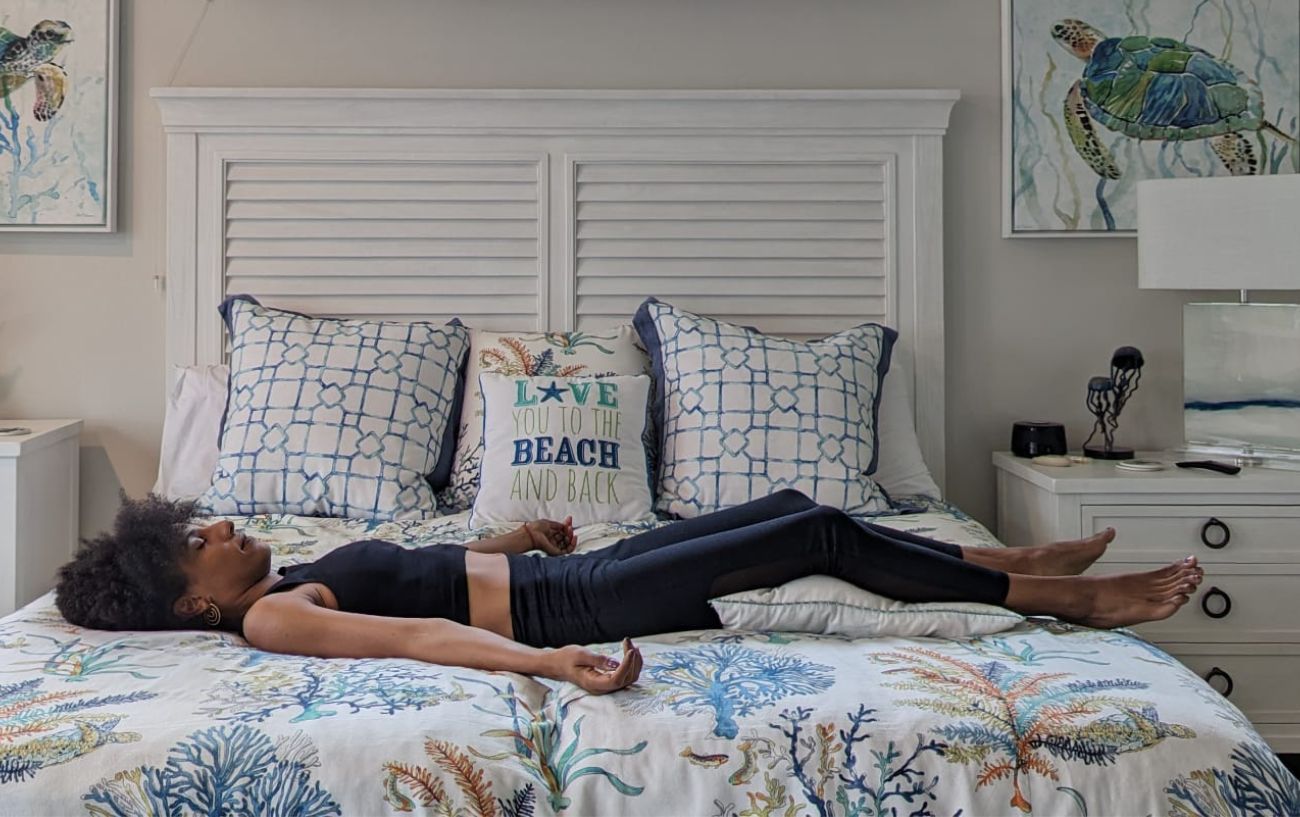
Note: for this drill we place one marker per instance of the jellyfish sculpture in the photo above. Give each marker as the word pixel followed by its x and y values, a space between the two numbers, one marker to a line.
pixel 1106 399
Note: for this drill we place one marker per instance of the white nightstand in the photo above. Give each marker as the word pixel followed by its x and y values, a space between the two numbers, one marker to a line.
pixel 1241 632
pixel 39 524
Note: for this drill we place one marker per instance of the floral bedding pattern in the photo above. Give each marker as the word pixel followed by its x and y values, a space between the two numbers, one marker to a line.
pixel 1046 718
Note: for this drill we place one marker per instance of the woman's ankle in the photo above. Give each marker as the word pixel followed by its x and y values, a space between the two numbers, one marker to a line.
pixel 1071 597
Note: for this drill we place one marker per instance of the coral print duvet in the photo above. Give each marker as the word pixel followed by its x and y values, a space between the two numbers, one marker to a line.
pixel 1043 718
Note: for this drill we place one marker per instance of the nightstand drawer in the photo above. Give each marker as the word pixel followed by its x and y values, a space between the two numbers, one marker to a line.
pixel 1263 685
pixel 1235 604
pixel 1213 533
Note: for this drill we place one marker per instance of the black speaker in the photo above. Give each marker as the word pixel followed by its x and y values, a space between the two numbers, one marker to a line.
pixel 1034 439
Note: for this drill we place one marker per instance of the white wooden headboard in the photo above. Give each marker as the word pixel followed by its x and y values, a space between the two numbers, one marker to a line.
pixel 798 212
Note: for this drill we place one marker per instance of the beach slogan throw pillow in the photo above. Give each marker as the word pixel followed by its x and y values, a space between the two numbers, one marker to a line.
pixel 563 446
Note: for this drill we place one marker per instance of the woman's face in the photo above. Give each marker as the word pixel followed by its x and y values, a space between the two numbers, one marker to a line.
pixel 221 565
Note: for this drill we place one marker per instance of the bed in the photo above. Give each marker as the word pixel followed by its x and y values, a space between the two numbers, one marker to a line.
pixel 561 210
pixel 1044 718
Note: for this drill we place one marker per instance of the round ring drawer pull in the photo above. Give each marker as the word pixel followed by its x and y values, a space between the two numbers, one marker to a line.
pixel 1216 673
pixel 1223 611
pixel 1218 544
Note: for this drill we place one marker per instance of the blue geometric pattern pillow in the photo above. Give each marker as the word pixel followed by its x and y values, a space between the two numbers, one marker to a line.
pixel 332 417
pixel 742 414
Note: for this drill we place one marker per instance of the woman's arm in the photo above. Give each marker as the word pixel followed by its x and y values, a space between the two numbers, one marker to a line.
pixel 552 538
pixel 294 624
pixel 516 541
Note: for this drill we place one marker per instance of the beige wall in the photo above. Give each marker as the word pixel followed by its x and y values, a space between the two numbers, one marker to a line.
pixel 81 324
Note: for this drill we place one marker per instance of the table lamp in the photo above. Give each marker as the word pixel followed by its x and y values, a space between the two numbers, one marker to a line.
pixel 1241 361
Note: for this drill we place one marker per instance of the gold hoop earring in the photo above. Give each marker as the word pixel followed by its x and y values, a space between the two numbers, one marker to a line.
pixel 212 615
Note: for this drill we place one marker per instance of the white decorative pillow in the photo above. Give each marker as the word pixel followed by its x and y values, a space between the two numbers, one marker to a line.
pixel 531 354
pixel 191 431
pixel 332 417
pixel 901 470
pixel 821 604
pixel 561 446
pixel 742 415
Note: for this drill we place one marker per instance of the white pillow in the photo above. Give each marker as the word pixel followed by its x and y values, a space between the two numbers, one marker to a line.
pixel 820 604
pixel 192 431
pixel 563 446
pixel 901 470
pixel 535 354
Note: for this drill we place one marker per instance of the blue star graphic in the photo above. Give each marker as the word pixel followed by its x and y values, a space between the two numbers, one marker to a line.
pixel 552 392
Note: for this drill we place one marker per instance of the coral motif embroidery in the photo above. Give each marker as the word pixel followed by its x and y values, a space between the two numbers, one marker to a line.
pixel 832 773
pixel 516 359
pixel 1012 722
pixel 428 791
pixel 538 746
pixel 316 688
pixel 222 770
pixel 44 728
pixel 76 661
pixel 1258 783
pixel 728 680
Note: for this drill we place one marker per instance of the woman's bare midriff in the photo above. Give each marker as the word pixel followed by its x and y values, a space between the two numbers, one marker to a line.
pixel 488 577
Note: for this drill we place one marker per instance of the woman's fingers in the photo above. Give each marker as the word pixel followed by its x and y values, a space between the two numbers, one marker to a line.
pixel 602 674
pixel 600 662
pixel 630 669
pixel 557 538
pixel 633 666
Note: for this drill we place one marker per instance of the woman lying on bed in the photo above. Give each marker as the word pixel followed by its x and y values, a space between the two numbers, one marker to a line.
pixel 487 606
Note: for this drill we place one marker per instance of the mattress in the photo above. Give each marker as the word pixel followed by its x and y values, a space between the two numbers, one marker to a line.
pixel 1045 718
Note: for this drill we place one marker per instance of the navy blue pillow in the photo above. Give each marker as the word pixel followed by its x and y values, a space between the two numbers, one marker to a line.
pixel 440 477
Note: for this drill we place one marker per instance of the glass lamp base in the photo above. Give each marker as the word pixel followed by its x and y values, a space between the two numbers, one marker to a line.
pixel 1113 454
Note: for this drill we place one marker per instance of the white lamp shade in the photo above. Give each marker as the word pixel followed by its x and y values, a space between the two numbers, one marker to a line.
pixel 1222 232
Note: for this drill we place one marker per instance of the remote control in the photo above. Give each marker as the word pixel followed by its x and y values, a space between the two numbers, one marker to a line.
pixel 1211 465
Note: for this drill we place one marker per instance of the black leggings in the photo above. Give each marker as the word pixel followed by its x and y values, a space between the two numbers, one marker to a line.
pixel 661 581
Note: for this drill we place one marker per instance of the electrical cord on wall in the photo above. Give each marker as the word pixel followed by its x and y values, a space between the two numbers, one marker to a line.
pixel 159 281
pixel 189 42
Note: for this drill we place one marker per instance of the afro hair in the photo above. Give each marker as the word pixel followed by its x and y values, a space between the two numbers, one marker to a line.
pixel 129 579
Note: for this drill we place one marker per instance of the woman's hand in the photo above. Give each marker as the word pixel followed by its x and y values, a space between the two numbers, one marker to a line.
pixel 552 538
pixel 594 672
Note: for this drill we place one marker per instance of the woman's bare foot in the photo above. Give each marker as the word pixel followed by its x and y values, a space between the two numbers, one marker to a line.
pixel 1108 601
pixel 1069 558
pixel 1072 557
pixel 1132 598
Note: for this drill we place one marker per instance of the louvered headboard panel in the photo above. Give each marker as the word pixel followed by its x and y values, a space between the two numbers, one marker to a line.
pixel 796 245
pixel 798 212
pixel 431 239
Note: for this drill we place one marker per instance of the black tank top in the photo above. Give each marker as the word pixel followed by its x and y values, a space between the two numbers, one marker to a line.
pixel 383 579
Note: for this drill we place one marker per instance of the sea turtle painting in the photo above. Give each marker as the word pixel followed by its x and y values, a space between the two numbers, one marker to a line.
pixel 32 57
pixel 1159 89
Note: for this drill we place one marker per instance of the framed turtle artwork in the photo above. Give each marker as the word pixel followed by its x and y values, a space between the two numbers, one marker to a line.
pixel 1101 94
pixel 58 115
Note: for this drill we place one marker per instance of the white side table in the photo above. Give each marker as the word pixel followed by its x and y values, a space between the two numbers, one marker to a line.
pixel 39 514
pixel 1241 632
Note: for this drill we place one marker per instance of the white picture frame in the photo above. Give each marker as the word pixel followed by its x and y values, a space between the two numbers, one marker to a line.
pixel 86 183
pixel 1105 14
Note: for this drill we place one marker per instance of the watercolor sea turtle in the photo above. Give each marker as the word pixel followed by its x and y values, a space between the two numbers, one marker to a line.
pixel 31 57
pixel 1157 88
